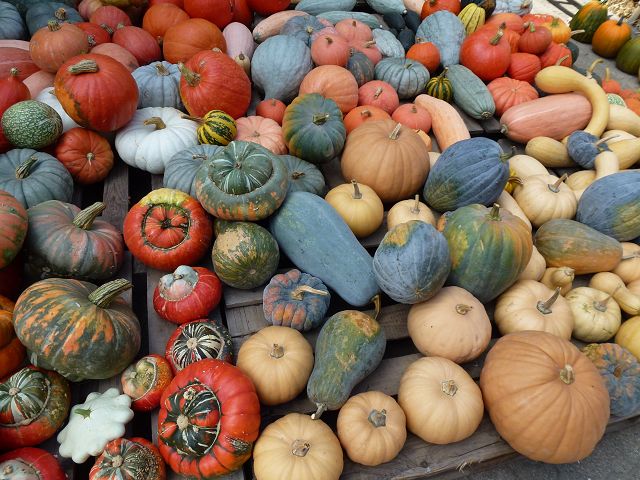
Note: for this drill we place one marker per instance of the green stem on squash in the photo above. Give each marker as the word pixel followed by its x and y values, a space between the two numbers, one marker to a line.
pixel 60 14
pixel 495 40
pixel 504 156
pixel 567 375
pixel 298 293
pixel 83 412
pixel 555 187
pixel 377 303
pixel 378 418
pixel 322 407
pixel 105 294
pixel 161 69
pixel 449 387
pixel 357 195
pixel 463 309
pixel 545 307
pixel 83 66
pixel 494 214
pixel 14 72
pixel 85 218
pixel 416 205
pixel 395 133
pixel 622 17
pixel 53 25
pixel 320 118
pixel 156 122
pixel 300 448
pixel 24 169
pixel 192 78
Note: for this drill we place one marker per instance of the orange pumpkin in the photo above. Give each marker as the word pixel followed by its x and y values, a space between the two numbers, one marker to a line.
pixel 12 352
pixel 56 43
pixel 183 40
pixel 432 6
pixel 427 54
pixel 560 31
pixel 609 85
pixel 507 92
pixel 159 18
pixel 379 94
pixel 332 82
pixel 271 108
pixel 361 114
pixel 85 154
pixel 556 54
pixel 330 49
pixel 368 47
pixel 524 66
pixel 413 116
pixel 610 37
pixel 511 20
pixel 263 131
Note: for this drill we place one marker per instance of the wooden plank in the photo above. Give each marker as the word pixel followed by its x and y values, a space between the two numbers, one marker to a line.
pixel 116 194
pixel 472 125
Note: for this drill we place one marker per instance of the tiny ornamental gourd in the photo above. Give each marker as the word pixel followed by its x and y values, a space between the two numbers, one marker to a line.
pixel 359 206
pixel 596 315
pixel 215 128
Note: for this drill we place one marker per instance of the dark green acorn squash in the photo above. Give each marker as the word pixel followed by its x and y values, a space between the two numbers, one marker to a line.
pixel 471 171
pixel 303 176
pixel 583 148
pixel 611 205
pixel 12 26
pixel 180 172
pixel 628 59
pixel 412 262
pixel 40 13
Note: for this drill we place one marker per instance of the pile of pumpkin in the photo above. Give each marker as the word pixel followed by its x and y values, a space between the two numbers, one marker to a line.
pixel 329 93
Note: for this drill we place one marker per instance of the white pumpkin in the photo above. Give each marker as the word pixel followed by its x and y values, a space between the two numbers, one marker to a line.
pixel 153 136
pixel 47 96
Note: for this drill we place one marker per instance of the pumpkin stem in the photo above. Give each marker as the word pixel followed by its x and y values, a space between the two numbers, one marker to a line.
pixel 601 306
pixel 276 351
pixel 555 187
pixel 198 120
pixel 617 372
pixel 378 92
pixel 416 206
pixel 320 118
pixel 357 195
pixel 606 139
pixel 161 69
pixel 322 407
pixel 83 66
pixel 298 293
pixel 463 309
pixel 561 59
pixel 370 43
pixel 494 214
pixel 53 25
pixel 504 156
pixel 182 421
pixel 156 122
pixel 297 175
pixel 107 28
pixel 300 448
pixel 24 169
pixel 516 180
pixel 14 72
pixel 531 26
pixel 567 375
pixel 545 307
pixel 622 17
pixel 83 412
pixel 60 14
pixel 631 256
pixel 377 303
pixel 449 387
pixel 366 113
pixel 328 39
pixel 91 40
pixel 575 32
pixel 495 40
pixel 395 133
pixel 378 418
pixel 191 77
pixel 105 294
pixel 592 67
pixel 116 462
pixel 85 218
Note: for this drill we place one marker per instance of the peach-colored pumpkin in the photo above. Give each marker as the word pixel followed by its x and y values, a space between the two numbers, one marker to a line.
pixel 361 114
pixel 38 81
pixel 368 47
pixel 332 82
pixel 354 30
pixel 379 94
pixel 263 131
pixel 271 108
pixel 330 49
pixel 121 54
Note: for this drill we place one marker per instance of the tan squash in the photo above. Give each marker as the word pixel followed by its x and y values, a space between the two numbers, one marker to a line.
pixel 549 152
pixel 535 268
pixel 617 136
pixel 530 305
pixel 627 151
pixel 272 24
pixel 454 400
pixel 613 285
pixel 446 123
pixel 359 207
pixel 629 267
pixel 425 138
pixel 628 336
pixel 634 287
pixel 523 166
pixel 559 277
pixel 545 197
pixel 453 325
pixel 581 179
pixel 596 315
pixel 372 428
pixel 606 163
pixel 506 201
pixel 407 210
pixel 625 119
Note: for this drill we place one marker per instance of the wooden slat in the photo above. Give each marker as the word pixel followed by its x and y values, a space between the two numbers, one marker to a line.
pixel 116 194
pixel 472 125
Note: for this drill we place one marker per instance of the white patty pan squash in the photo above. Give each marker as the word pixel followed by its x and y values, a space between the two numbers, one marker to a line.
pixel 153 136
pixel 94 423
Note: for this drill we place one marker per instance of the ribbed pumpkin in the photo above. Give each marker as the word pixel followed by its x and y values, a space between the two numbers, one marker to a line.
pixel 359 207
pixel 303 176
pixel 360 67
pixel 56 43
pixel 134 459
pixel 13 227
pixel 96 35
pixel 110 16
pixel 185 39
pixel 440 87
pixel 524 66
pixel 160 17
pixel 12 352
pixel 332 82
pixel 379 93
pixel 77 329
pixel 86 154
pixel 432 6
pixel 12 90
pixel 534 39
pixel 352 29
pixel 180 172
pixel 413 116
pixel 330 49
pixel 590 16
pixel 507 92
pixel 486 56
pixel 557 54
pixel 263 131
pixel 408 77
pixel 489 248
pixel 197 340
pixel 139 42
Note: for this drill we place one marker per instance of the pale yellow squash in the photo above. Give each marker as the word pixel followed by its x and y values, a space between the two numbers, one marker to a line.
pixel 407 210
pixel 629 267
pixel 545 197
pixel 559 277
pixel 358 205
pixel 535 268
pixel 596 315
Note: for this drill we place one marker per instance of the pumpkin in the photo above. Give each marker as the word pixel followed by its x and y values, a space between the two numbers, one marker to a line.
pixel 378 93
pixel 13 91
pixel 27 460
pixel 487 57
pixel 361 114
pixel 534 40
pixel 628 59
pixel 610 85
pixel 213 81
pixel 360 67
pixel 627 335
pixel 545 197
pixel 279 361
pixel 588 18
pixel 47 95
pixel 31 124
pixel 180 172
pixel 271 108
pixel 53 45
pixel 96 35
pixel 145 380
pixel 332 82
pixel 453 324
pixel 440 87
pixel 432 6
pixel 413 116
pixel 372 428
pixel 194 437
pixel 244 255
pixel 13 228
pixel 64 241
pixel 596 314
pixel 297 445
pixel 529 380
pixel 407 210
pixel 195 341
pixel 446 32
pixel 556 54
pixel 167 228
pixel 303 176
pixel 629 267
pixel 507 92
pixel 139 42
pixel 388 157
pixel 408 77
pixel 523 66
pixel 187 294
pixel 101 82
pixel 359 206
pixel 39 13
pixel 219 12
pixel 134 459
pixel 12 352
pixel 160 17
pixel 455 399
pixel 85 154
pixel 330 49
pixel 183 40
pixel 244 181
pixel 426 53
pixel 511 20
pixel 263 131
pixel 352 29
pixel 14 57
pixel 35 403
pixel 302 28
pixel 110 16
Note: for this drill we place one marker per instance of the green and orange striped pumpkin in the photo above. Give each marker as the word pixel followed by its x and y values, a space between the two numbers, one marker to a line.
pixel 13 227
pixel 440 87
pixel 77 329
pixel 216 128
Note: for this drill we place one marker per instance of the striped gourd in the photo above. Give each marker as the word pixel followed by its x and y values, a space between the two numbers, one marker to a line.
pixel 440 87
pixel 472 17
pixel 216 128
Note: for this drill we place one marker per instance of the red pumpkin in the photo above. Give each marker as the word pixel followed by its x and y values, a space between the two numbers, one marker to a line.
pixel 13 57
pixel 368 47
pixel 86 154
pixel 432 6
pixel 89 86
pixel 33 462
pixel 268 7
pixel 511 20
pixel 610 85
pixel 194 437
pixel 56 43
pixel 12 90
pixel 198 340
pixel 361 114
pixel 486 56
pixel 271 108
pixel 96 35
pixel 87 7
pixel 145 380
pixel 242 12
pixel 167 228
pixel 354 30
pixel 12 352
pixel 524 66
pixel 139 42
pixel 183 40
pixel 427 54
pixel 177 3
pixel 159 18
pixel 110 16
pixel 330 49
pixel 413 116
pixel 379 94
pixel 187 294
pixel 534 39
pixel 556 54
pixel 118 53
pixel 13 227
pixel 507 92
pixel 213 81
pixel 219 12
pixel 129 459
pixel 513 38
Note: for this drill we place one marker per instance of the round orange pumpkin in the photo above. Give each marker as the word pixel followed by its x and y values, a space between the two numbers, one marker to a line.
pixel 332 82
pixel 361 114
pixel 330 49
pixel 56 43
pixel 413 116
pixel 427 54
pixel 183 40
pixel 379 94
pixel 159 18
pixel 507 92
pixel 263 131
pixel 85 154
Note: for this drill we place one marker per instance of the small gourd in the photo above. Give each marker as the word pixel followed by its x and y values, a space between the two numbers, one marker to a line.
pixel 407 210
pixel 440 87
pixel 628 336
pixel 545 197
pixel 583 148
pixel 596 315
pixel 359 206
pixel 559 277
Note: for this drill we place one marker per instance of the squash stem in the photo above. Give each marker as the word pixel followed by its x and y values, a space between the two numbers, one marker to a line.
pixel 575 32
pixel 53 25
pixel 14 72
pixel 192 78
pixel 567 375
pixel 449 387
pixel 545 307
pixel 84 66
pixel 617 372
pixel 555 187
pixel 320 118
pixel 416 206
pixel 631 256
pixel 297 175
pixel 622 17
pixel 494 214
pixel 377 302
pixel 322 407
pixel 606 139
pixel 496 39
pixel 276 351
pixel 105 294
pixel 561 60
pixel 107 28
pixel 516 180
pixel 300 448
pixel 60 14
pixel 592 67
pixel 395 133
pixel 198 120
pixel 156 122
pixel 299 292
pixel 357 195
pixel 378 92
pixel 83 412
pixel 24 169
pixel 601 306
pixel 85 218
pixel 378 418
pixel 463 309
pixel 504 156
pixel 366 113
pixel 116 462
pixel 161 69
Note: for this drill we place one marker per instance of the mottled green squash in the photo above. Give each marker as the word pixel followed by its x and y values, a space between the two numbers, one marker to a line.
pixel 31 124
pixel 180 171
pixel 628 58
pixel 588 18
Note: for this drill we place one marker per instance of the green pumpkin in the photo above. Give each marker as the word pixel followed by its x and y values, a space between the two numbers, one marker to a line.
pixel 440 87
pixel 588 18
pixel 11 25
pixel 628 59
pixel 408 77
pixel 412 262
pixel 313 129
pixel 489 249
pixel 34 177
pixel 31 124
pixel 39 14
pixel 360 67
pixel 180 172
pixel 620 371
pixel 244 255
pixel 244 181
pixel 303 176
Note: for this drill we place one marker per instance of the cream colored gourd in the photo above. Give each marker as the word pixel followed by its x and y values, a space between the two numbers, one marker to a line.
pixel 559 277
pixel 581 179
pixel 453 325
pixel 613 285
pixel 272 24
pixel 606 163
pixel 634 287
pixel 530 305
pixel 617 136
pixel 523 166
pixel 628 336
pixel 433 158
pixel 414 5
pixel 279 361
pixel 625 119
pixel 596 315
pixel 295 446
pixel 535 268
pixel 372 428
pixel 627 151
pixel 549 152
pixel 629 267
pixel 545 197
pixel 407 210
pixel 454 400
pixel 359 206
pixel 506 201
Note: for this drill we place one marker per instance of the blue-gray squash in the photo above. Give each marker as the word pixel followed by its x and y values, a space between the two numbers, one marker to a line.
pixel 470 171
pixel 278 66
pixel 584 147
pixel 159 85
pixel 446 32
pixel 302 28
pixel 316 239
pixel 303 176
pixel 387 6
pixel 314 7
pixel 611 205
pixel 180 172
pixel 336 16
pixel 40 13
pixel 412 262
pixel 388 44
pixel 470 93
pixel 407 76
pixel 360 67
pixel 12 26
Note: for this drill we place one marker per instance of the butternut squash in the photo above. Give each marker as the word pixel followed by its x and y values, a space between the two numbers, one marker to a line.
pixel 506 201
pixel 613 285
pixel 629 267
pixel 446 122
pixel 606 163
pixel 549 152
pixel 617 135
pixel 622 118
pixel 627 151
pixel 272 25
pixel 562 277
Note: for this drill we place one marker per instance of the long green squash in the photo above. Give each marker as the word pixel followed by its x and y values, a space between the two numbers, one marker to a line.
pixel 315 7
pixel 470 93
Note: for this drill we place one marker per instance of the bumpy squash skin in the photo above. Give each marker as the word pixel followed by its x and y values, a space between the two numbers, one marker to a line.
pixel 318 241
pixel 350 346
pixel 611 205
pixel 412 262
pixel 583 149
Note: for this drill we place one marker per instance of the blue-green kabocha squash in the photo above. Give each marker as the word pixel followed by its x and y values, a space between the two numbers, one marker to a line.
pixel 445 31
pixel 303 176
pixel 302 28
pixel 583 148
pixel 360 67
pixel 611 205
pixel 180 172
pixel 470 171
pixel 408 77
pixel 12 26
pixel 39 15
pixel 158 84
pixel 412 262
